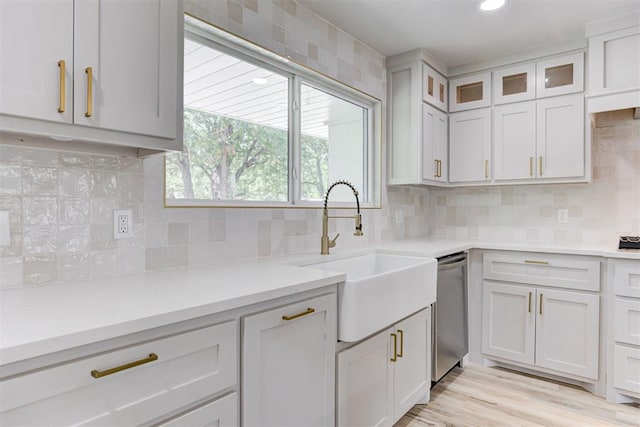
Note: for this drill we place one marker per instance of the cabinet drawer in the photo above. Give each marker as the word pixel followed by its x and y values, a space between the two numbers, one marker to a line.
pixel 626 372
pixel 627 321
pixel 562 271
pixel 222 412
pixel 189 366
pixel 626 277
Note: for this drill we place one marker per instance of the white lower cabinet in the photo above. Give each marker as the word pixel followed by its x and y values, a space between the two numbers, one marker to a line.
pixel 147 383
pixel 626 326
pixel 288 364
pixel 546 328
pixel 222 412
pixel 381 378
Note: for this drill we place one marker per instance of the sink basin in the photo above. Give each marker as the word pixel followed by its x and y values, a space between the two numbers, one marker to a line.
pixel 380 290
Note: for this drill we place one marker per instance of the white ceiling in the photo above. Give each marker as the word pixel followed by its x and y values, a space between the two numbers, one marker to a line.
pixel 457 32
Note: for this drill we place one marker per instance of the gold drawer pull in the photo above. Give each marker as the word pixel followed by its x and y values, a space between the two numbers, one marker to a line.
pixel 529 302
pixel 540 163
pixel 401 333
pixel 529 261
pixel 295 316
pixel 63 87
pixel 89 111
pixel 395 348
pixel 98 374
pixel 530 166
pixel 486 168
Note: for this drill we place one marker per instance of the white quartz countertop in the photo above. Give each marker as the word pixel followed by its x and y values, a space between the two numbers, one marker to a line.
pixel 39 320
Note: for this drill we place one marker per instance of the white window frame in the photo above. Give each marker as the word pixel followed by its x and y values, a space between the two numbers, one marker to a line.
pixel 298 74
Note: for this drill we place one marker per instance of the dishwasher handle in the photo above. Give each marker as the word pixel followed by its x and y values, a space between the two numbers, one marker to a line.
pixel 452 262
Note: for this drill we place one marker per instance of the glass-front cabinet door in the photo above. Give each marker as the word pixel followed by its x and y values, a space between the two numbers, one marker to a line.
pixel 434 88
pixel 466 93
pixel 514 84
pixel 560 75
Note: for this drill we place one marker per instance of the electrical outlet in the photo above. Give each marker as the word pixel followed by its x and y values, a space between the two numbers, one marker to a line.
pixel 563 216
pixel 122 224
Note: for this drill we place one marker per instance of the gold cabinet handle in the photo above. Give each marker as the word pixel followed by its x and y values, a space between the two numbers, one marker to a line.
pixel 394 358
pixel 530 166
pixel 295 316
pixel 89 72
pixel 435 174
pixel 541 303
pixel 401 333
pixel 532 261
pixel 439 168
pixel 486 168
pixel 540 165
pixel 63 86
pixel 529 302
pixel 99 374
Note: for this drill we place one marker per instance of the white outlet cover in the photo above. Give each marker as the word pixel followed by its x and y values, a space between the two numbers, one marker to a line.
pixel 563 216
pixel 127 217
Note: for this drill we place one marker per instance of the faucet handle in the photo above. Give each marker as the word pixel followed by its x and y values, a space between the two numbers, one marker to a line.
pixel 332 242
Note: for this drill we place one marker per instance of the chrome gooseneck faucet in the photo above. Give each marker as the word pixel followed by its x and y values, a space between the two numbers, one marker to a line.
pixel 325 242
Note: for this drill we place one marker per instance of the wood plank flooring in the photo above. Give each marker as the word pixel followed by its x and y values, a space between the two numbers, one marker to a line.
pixel 479 396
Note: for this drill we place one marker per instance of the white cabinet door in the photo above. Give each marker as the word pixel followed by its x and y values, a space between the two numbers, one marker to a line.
pixel 33 81
pixel 508 322
pixel 514 141
pixel 131 49
pixel 434 144
pixel 412 370
pixel 514 84
pixel 222 412
pixel 560 75
pixel 434 88
pixel 470 146
pixel 470 92
pixel 288 366
pixel 626 375
pixel 560 137
pixel 365 383
pixel 567 332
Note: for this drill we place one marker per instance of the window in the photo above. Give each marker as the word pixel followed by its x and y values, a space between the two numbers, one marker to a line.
pixel 261 131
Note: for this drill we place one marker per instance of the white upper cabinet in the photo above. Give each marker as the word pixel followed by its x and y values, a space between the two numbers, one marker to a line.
pixel 560 75
pixel 36 76
pixel 514 84
pixel 131 49
pixel 614 64
pixel 434 88
pixel 470 146
pixel 470 92
pixel 515 141
pixel 434 144
pixel 93 70
pixel 560 137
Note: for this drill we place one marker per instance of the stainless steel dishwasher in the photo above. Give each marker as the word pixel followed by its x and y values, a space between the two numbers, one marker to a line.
pixel 449 335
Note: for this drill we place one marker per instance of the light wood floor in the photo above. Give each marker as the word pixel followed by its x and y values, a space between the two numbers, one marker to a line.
pixel 479 396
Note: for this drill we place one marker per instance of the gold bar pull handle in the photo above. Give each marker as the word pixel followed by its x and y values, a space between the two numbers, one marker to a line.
pixel 530 166
pixel 439 168
pixel 63 86
pixel 540 165
pixel 89 72
pixel 295 316
pixel 394 358
pixel 532 261
pixel 401 334
pixel 529 302
pixel 435 174
pixel 486 168
pixel 541 304
pixel 99 374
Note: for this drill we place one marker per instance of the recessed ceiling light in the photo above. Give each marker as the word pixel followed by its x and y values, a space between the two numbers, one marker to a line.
pixel 260 81
pixel 492 4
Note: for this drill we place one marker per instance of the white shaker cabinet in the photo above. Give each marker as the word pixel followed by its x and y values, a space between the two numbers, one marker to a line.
pixel 614 64
pixel 35 76
pixel 470 146
pixel 434 144
pixel 434 88
pixel 470 92
pixel 514 84
pixel 93 70
pixel 288 364
pixel 515 141
pixel 560 75
pixel 381 378
pixel 535 326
